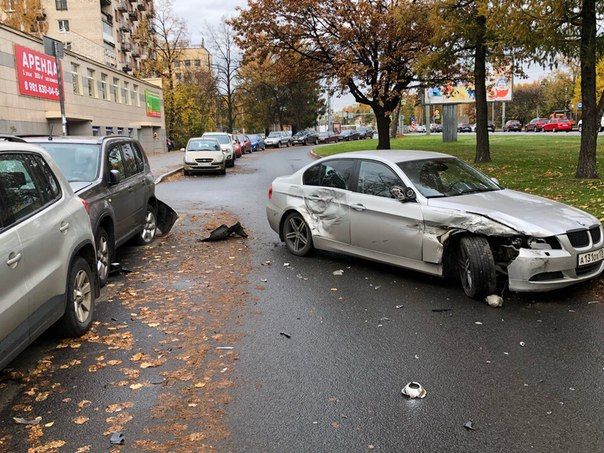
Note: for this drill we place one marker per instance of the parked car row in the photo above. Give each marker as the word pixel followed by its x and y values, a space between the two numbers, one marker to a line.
pixel 215 151
pixel 66 204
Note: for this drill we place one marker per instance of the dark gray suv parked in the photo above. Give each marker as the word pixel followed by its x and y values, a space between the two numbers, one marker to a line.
pixel 113 176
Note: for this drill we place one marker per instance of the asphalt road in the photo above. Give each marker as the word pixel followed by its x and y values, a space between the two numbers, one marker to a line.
pixel 527 375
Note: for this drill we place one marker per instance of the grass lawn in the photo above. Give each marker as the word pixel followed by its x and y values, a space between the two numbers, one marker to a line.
pixel 543 165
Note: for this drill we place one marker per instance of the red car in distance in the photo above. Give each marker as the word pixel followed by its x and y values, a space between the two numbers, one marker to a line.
pixel 536 124
pixel 237 147
pixel 558 124
pixel 246 143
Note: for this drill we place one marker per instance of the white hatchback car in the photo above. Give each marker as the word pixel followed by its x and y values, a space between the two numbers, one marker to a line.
pixel 436 214
pixel 47 254
pixel 226 143
pixel 204 154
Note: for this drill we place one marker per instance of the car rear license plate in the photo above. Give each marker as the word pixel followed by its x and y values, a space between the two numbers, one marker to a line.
pixel 590 257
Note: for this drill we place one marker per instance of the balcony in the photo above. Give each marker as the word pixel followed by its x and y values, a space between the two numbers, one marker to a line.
pixel 136 52
pixel 141 6
pixel 124 27
pixel 126 46
pixel 133 16
pixel 122 7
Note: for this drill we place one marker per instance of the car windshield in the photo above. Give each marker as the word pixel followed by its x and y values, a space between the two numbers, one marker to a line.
pixel 223 139
pixel 275 134
pixel 79 162
pixel 203 145
pixel 446 177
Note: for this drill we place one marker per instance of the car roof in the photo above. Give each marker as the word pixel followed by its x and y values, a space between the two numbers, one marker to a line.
pixel 8 146
pixel 89 139
pixel 392 155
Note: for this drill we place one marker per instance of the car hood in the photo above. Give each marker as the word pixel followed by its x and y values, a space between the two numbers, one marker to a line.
pixel 78 186
pixel 525 213
pixel 202 154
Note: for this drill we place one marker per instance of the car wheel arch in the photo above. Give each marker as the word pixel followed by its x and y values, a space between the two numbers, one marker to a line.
pixel 286 213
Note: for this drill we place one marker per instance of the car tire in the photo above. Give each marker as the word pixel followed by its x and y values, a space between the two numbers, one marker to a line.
pixel 103 255
pixel 476 267
pixel 149 230
pixel 223 170
pixel 79 309
pixel 297 235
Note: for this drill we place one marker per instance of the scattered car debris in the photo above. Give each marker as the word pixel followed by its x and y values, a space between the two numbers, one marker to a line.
pixel 25 421
pixel 117 438
pixel 399 306
pixel 286 335
pixel 441 310
pixel 414 390
pixel 224 232
pixel 285 264
pixel 224 348
pixel 494 300
pixel 522 343
pixel 166 217
pixel 469 425
pixel 266 263
pixel 594 302
pixel 377 287
pixel 264 280
pixel 338 272
pixel 478 323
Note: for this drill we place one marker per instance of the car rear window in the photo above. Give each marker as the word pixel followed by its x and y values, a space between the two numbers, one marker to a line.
pixel 77 161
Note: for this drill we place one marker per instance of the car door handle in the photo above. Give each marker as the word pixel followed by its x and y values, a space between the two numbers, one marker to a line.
pixel 14 259
pixel 64 227
pixel 314 197
pixel 130 189
pixel 358 207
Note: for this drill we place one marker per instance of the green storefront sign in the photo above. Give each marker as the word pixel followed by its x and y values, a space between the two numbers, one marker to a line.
pixel 153 103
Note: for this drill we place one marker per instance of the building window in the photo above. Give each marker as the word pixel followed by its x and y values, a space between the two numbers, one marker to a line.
pixel 177 64
pixel 104 93
pixel 75 79
pixel 187 63
pixel 91 83
pixel 197 63
pixel 96 131
pixel 126 93
pixel 135 99
pixel 63 26
pixel 115 89
pixel 61 5
pixel 68 45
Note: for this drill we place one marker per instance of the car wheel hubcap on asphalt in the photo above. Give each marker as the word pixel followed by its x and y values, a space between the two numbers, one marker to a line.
pixel 102 257
pixel 297 234
pixel 82 296
pixel 148 232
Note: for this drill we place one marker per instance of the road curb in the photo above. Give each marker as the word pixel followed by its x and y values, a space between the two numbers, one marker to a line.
pixel 165 175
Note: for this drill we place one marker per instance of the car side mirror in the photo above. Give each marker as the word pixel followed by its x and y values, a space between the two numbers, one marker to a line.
pixel 404 195
pixel 114 177
pixel 495 180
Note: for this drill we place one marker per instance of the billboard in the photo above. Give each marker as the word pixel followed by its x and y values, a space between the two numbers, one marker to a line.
pixel 499 88
pixel 36 74
pixel 153 103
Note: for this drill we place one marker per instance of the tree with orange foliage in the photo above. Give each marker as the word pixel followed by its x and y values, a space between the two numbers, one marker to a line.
pixel 368 47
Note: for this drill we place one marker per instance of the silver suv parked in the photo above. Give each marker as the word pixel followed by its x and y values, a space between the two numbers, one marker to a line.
pixel 113 175
pixel 47 256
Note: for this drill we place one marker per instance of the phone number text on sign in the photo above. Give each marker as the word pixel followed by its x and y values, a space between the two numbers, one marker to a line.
pixel 36 73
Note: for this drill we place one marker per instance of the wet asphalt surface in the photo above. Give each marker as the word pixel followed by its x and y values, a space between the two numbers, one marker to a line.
pixel 528 375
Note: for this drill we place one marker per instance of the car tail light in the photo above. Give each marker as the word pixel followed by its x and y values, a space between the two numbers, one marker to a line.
pixel 270 191
pixel 86 205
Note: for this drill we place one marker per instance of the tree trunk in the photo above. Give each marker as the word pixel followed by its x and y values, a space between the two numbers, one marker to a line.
pixel 382 119
pixel 586 168
pixel 394 125
pixel 483 153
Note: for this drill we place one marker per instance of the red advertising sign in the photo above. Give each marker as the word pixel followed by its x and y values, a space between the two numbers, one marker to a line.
pixel 36 74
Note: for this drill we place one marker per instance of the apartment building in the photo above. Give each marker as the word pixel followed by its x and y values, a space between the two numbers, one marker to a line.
pixel 99 99
pixel 192 59
pixel 104 30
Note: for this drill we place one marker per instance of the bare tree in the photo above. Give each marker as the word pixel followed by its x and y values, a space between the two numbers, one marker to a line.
pixel 227 64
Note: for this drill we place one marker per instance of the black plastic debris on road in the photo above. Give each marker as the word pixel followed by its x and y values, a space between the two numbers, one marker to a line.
pixel 286 335
pixel 224 232
pixel 441 310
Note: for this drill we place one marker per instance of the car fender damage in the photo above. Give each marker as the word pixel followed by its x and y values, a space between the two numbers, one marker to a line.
pixel 441 225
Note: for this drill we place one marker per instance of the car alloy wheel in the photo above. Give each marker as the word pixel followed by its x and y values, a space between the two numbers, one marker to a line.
pixel 80 299
pixel 147 234
pixel 298 237
pixel 103 256
pixel 476 267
